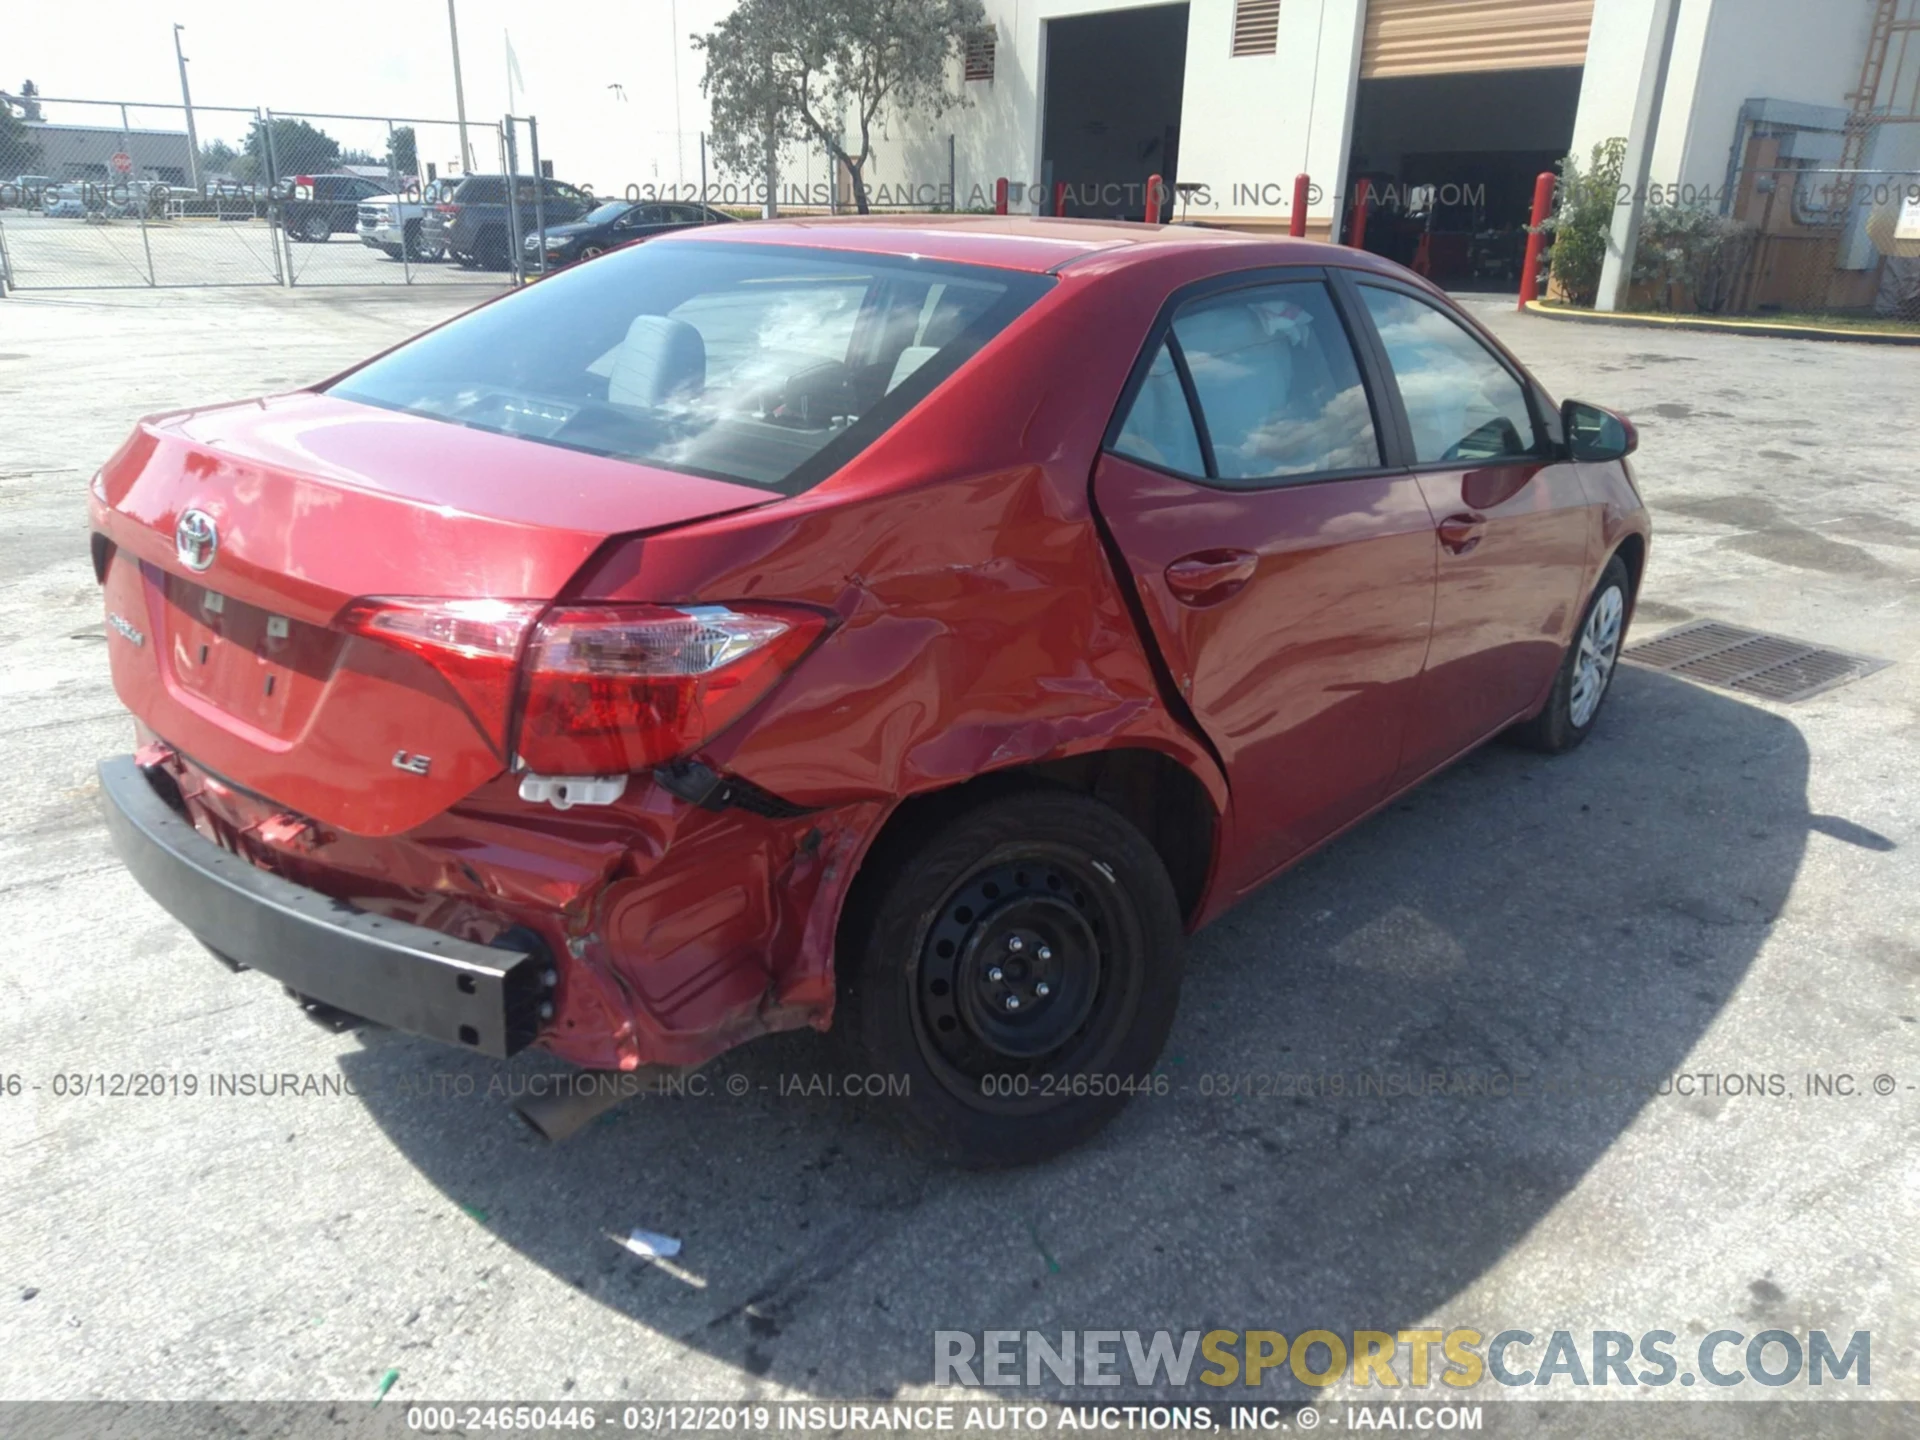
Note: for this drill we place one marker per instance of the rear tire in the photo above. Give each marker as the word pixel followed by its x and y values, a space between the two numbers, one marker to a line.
pixel 315 229
pixel 1051 901
pixel 490 250
pixel 1586 673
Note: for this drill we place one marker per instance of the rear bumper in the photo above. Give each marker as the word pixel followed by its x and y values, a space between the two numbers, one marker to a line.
pixel 478 997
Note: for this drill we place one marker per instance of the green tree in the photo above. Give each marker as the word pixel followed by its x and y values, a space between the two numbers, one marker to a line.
pixel 403 152
pixel 831 71
pixel 298 148
pixel 217 157
pixel 1584 219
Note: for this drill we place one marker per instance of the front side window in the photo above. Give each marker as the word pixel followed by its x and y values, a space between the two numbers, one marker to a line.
pixel 1461 403
pixel 768 364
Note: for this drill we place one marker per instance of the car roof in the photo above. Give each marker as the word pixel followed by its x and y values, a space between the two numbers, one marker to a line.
pixel 1012 242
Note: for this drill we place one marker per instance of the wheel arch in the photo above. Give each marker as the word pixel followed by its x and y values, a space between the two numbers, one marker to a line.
pixel 1158 795
pixel 1632 551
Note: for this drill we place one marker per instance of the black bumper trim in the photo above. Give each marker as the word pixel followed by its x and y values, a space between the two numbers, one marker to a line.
pixel 479 997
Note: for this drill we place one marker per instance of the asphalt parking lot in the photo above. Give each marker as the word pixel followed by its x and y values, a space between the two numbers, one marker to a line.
pixel 1712 886
pixel 46 251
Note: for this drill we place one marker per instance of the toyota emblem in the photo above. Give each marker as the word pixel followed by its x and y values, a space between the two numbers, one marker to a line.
pixel 195 540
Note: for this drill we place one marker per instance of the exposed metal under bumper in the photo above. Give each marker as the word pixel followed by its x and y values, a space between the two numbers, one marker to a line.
pixel 479 997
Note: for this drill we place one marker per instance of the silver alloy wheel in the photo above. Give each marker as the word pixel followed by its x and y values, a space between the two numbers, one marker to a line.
pixel 1599 648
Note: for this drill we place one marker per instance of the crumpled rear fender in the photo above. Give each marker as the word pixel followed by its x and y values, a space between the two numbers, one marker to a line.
pixel 979 627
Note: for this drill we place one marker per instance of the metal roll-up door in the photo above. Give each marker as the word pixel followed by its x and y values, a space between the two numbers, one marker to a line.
pixel 1445 37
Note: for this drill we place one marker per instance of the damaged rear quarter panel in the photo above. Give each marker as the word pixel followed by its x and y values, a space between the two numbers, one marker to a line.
pixel 980 627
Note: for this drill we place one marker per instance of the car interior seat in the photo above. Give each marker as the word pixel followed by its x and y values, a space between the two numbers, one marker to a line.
pixel 661 361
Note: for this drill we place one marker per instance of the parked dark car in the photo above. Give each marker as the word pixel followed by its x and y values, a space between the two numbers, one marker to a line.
pixel 616 223
pixel 477 227
pixel 317 207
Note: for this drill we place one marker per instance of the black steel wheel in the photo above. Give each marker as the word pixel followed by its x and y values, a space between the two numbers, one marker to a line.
pixel 1016 978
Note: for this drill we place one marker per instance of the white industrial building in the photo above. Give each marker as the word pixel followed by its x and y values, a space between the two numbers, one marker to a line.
pixel 1232 98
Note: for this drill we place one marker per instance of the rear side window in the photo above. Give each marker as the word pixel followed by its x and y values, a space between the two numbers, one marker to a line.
pixel 1159 425
pixel 484 191
pixel 1279 391
pixel 769 364
pixel 1462 404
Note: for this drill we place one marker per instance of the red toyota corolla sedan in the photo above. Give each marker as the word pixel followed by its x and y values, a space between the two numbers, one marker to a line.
pixel 912 625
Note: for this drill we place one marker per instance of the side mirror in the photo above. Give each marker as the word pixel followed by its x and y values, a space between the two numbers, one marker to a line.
pixel 1597 434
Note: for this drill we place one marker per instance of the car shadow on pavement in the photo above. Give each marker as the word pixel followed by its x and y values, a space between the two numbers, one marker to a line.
pixel 1388 1067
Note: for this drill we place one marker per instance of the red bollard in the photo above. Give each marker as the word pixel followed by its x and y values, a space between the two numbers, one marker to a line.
pixel 1000 196
pixel 1153 200
pixel 1059 197
pixel 1536 239
pixel 1297 226
pixel 1362 192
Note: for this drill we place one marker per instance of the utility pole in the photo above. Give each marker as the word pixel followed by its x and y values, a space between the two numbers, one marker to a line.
pixel 186 99
pixel 459 92
pixel 1616 271
pixel 679 159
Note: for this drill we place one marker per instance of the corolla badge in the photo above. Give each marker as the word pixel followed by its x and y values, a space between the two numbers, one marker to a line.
pixel 195 539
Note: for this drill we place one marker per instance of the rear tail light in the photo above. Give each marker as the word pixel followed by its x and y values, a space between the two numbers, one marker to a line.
pixel 614 689
pixel 473 643
pixel 605 689
pixel 446 208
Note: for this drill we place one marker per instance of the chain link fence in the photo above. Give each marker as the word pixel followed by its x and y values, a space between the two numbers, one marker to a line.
pixel 129 195
pixel 126 195
pixel 1792 243
pixel 1821 242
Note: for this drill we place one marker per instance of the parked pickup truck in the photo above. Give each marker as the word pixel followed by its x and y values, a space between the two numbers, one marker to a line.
pixel 393 222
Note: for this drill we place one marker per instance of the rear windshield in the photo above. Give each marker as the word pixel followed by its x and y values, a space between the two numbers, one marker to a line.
pixel 769 364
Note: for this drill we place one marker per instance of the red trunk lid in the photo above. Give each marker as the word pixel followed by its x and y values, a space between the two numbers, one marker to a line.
pixel 317 502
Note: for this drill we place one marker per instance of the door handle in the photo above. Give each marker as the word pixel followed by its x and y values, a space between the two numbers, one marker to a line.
pixel 1207 577
pixel 1460 533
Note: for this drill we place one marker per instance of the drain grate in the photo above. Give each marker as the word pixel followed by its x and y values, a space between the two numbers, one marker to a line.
pixel 1769 666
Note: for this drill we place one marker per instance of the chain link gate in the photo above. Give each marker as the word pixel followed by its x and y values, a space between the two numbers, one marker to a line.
pixel 116 200
pixel 124 195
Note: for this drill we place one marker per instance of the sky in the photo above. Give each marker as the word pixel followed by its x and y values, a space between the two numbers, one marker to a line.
pixel 365 57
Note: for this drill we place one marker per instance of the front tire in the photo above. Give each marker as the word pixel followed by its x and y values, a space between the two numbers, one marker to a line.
pixel 1586 674
pixel 1014 973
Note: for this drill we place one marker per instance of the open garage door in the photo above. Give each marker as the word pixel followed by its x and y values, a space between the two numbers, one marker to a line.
pixel 1450 161
pixel 1111 113
pixel 1452 37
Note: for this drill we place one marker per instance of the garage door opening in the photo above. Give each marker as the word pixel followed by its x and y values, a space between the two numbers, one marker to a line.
pixel 1450 162
pixel 1111 107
